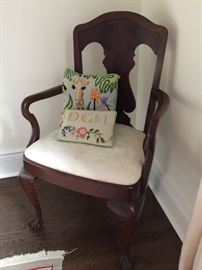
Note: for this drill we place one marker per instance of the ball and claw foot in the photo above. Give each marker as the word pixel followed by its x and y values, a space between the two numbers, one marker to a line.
pixel 35 224
pixel 126 263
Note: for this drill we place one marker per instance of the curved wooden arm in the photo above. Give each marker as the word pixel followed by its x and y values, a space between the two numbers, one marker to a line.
pixel 161 100
pixel 29 116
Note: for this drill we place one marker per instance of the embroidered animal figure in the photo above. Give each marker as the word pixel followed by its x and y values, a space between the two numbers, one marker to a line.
pixel 80 85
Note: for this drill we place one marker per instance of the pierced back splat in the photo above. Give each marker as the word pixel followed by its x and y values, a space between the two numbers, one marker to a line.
pixel 120 33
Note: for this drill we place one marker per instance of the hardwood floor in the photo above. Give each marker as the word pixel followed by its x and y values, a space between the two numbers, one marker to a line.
pixel 73 220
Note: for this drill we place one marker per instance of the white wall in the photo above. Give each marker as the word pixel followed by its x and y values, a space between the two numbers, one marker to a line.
pixel 36 46
pixel 178 153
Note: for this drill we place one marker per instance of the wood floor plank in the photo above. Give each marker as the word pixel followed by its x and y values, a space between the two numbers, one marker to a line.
pixel 72 220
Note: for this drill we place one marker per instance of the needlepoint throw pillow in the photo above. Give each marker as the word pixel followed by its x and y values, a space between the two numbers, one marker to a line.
pixel 89 92
pixel 91 127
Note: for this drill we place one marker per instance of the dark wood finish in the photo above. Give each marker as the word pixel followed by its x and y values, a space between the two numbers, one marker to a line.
pixel 128 213
pixel 82 185
pixel 119 33
pixel 27 181
pixel 30 117
pixel 73 220
pixel 160 102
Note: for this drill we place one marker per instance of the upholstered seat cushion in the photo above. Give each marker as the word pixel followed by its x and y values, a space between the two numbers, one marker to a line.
pixel 120 164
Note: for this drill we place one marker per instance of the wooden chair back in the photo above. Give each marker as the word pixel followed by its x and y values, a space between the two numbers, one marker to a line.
pixel 119 33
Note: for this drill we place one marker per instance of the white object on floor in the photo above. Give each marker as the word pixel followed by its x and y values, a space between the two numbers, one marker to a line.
pixel 191 255
pixel 51 259
pixel 121 164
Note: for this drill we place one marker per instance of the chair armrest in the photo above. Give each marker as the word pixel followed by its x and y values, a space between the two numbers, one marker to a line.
pixel 162 101
pixel 29 116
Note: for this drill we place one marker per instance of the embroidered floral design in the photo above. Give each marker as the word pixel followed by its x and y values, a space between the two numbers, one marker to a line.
pixel 95 94
pixel 72 133
pixel 66 129
pixel 104 100
pixel 83 133
pixel 95 97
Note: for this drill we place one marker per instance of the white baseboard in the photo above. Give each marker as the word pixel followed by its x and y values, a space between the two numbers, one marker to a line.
pixel 10 164
pixel 175 206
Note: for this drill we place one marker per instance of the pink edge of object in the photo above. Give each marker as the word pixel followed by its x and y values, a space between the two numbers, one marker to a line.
pixel 42 268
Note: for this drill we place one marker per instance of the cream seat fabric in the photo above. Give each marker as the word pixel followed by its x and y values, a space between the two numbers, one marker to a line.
pixel 120 164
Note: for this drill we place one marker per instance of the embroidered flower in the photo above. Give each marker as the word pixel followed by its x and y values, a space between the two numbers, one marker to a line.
pixel 72 134
pixel 95 94
pixel 82 132
pixel 104 100
pixel 66 130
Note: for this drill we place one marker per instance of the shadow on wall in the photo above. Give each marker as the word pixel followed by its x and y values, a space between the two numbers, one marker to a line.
pixel 174 123
pixel 167 80
pixel 5 129
pixel 7 124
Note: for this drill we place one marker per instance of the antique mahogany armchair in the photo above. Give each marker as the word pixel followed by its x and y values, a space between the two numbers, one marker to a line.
pixel 123 186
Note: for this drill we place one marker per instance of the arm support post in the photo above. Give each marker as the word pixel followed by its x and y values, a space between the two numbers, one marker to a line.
pixel 30 116
pixel 160 102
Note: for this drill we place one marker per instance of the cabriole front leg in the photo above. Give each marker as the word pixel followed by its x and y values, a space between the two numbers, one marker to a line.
pixel 27 182
pixel 128 213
